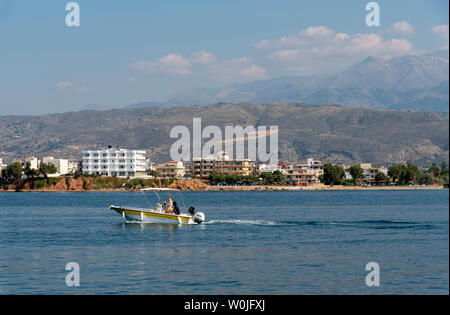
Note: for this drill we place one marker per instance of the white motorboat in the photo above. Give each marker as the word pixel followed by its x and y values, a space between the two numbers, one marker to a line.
pixel 158 214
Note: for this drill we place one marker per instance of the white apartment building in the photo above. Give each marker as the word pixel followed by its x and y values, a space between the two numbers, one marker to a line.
pixel 2 166
pixel 62 165
pixel 114 162
pixel 33 161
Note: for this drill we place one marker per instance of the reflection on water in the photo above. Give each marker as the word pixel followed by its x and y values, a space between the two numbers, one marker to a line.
pixel 252 243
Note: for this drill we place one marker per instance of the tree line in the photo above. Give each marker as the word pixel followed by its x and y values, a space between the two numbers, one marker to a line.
pixel 266 178
pixel 14 171
pixel 398 175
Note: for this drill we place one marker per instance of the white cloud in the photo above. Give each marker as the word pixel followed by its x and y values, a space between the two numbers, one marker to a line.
pixel 441 30
pixel 403 27
pixel 253 72
pixel 171 64
pixel 320 49
pixel 237 70
pixel 203 57
pixel 68 86
pixel 305 37
pixel 64 85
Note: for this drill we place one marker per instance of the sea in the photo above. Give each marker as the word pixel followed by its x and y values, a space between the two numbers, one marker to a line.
pixel 252 243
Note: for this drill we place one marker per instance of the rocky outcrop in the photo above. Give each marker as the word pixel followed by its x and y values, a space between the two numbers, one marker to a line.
pixel 75 184
pixel 188 185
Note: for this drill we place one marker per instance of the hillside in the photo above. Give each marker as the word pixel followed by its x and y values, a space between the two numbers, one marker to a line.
pixel 327 132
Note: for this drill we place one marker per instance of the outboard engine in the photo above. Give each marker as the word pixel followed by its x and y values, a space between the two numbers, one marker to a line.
pixel 199 217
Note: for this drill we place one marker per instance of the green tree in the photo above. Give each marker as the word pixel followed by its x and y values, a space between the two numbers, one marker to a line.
pixel 404 174
pixel 14 171
pixel 381 177
pixel 412 174
pixel 426 178
pixel 332 174
pixel 435 171
pixel 278 177
pixel 396 172
pixel 30 172
pixel 357 173
pixel 267 178
pixel 47 169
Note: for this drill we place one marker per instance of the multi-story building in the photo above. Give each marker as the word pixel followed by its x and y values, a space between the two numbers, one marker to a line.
pixel 300 175
pixel 33 162
pixel 203 167
pixel 62 165
pixel 303 173
pixel 2 166
pixel 369 172
pixel 114 162
pixel 171 169
pixel 314 165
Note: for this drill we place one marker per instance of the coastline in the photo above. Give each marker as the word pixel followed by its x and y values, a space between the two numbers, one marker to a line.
pixel 250 188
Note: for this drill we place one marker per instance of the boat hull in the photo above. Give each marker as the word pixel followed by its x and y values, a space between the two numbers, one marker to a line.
pixel 145 216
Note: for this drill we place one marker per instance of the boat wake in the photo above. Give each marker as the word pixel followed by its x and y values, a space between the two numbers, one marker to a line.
pixel 243 222
pixel 368 224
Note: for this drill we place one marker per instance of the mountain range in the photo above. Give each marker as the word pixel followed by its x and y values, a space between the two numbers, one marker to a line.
pixel 414 82
pixel 330 133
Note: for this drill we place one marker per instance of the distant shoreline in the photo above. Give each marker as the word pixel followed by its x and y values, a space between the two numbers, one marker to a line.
pixel 253 188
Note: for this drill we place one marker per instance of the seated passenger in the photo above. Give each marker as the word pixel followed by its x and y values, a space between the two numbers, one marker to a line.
pixel 176 210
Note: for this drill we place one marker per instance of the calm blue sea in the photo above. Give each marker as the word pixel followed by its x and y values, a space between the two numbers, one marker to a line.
pixel 253 243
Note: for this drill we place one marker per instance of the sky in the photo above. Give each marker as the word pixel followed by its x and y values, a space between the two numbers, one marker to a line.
pixel 127 52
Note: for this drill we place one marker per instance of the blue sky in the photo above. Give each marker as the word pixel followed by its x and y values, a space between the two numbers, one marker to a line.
pixel 133 51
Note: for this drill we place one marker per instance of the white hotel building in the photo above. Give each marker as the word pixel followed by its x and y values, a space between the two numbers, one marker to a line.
pixel 114 162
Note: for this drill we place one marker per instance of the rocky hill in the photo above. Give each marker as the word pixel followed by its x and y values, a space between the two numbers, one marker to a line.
pixel 327 132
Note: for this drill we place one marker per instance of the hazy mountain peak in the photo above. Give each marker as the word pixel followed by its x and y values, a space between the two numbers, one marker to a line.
pixel 371 83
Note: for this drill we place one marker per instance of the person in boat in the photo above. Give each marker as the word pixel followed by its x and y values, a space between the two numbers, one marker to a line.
pixel 169 205
pixel 176 210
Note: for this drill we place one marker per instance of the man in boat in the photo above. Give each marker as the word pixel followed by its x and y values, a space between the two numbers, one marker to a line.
pixel 169 205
